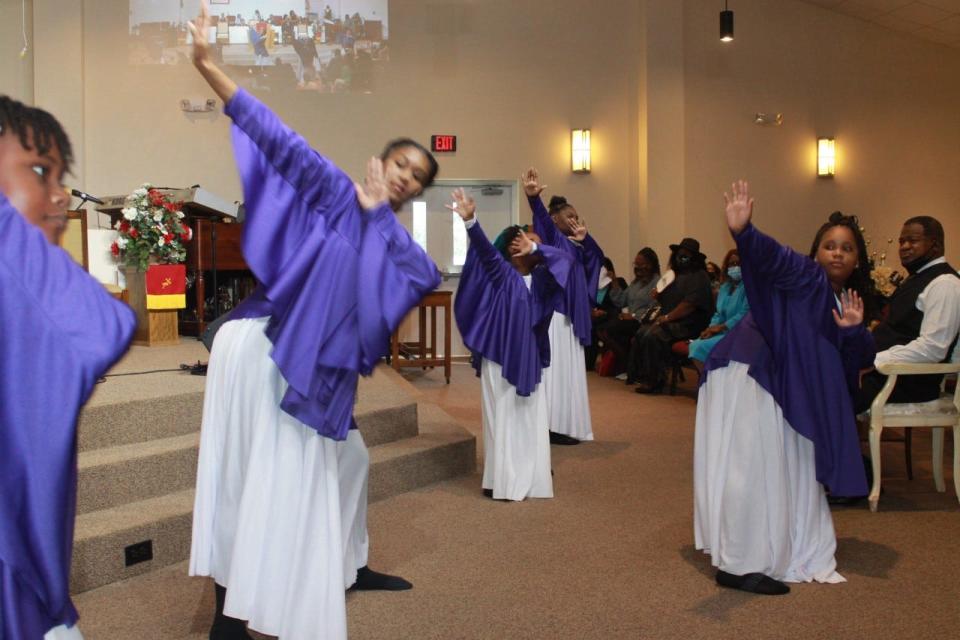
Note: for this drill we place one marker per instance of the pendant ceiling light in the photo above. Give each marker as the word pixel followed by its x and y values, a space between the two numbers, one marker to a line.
pixel 726 24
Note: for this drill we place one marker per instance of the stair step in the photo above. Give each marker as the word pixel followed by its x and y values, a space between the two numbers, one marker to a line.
pixel 108 424
pixel 442 450
pixel 111 476
pixel 100 538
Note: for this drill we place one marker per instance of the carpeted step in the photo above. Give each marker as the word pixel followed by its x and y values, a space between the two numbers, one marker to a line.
pixel 111 476
pixel 442 450
pixel 384 412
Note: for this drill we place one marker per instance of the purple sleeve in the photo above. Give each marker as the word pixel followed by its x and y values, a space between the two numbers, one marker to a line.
pixel 61 330
pixel 592 259
pixel 486 255
pixel 766 261
pixel 305 169
pixel 543 224
pixel 395 274
pixel 857 351
pixel 96 327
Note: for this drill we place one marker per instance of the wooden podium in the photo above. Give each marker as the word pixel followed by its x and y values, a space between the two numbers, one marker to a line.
pixel 155 328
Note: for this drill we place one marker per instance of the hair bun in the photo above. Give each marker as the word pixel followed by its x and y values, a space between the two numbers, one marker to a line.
pixel 557 203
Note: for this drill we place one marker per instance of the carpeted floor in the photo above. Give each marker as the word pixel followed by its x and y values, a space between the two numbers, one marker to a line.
pixel 611 556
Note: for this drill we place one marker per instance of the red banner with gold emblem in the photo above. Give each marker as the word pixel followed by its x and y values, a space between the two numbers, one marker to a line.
pixel 166 286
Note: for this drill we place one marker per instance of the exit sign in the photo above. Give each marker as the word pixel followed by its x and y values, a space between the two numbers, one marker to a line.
pixel 443 144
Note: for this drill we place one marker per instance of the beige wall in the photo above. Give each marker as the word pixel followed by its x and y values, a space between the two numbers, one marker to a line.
pixel 890 101
pixel 16 72
pixel 670 108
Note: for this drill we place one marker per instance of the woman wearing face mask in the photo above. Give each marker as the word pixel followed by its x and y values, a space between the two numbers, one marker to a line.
pixel 731 306
pixel 775 420
pixel 280 509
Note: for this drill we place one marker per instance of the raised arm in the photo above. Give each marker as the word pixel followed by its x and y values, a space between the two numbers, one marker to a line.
pixel 542 223
pixel 481 250
pixel 288 152
pixel 763 259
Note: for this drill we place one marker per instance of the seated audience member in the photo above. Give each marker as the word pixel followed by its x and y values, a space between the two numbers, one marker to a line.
pixel 685 308
pixel 716 277
pixel 731 306
pixel 923 318
pixel 604 309
pixel 634 301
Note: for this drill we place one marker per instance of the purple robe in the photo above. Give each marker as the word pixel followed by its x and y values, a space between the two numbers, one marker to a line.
pixel 799 355
pixel 61 331
pixel 335 280
pixel 500 319
pixel 581 290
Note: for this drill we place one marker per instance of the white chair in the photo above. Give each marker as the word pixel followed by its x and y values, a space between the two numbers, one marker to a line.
pixel 940 413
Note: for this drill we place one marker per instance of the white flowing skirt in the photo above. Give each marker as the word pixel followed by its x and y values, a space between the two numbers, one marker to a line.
pixel 757 504
pixel 280 511
pixel 516 442
pixel 63 632
pixel 565 382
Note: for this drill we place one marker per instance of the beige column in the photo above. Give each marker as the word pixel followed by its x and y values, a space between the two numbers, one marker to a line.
pixel 660 219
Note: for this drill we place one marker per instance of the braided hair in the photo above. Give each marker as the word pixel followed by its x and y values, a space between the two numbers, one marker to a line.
pixel 860 280
pixel 35 128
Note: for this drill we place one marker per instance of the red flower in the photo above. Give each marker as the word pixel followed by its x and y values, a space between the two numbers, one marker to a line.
pixel 115 249
pixel 134 233
pixel 124 227
pixel 169 206
pixel 168 237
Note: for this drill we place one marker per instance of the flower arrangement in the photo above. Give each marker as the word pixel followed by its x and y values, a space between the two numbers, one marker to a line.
pixel 885 278
pixel 152 227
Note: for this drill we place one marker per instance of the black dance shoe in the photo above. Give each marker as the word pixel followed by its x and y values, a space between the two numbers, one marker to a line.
pixel 368 580
pixel 562 439
pixel 752 583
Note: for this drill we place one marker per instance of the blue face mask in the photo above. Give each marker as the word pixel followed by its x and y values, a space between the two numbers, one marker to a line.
pixel 734 273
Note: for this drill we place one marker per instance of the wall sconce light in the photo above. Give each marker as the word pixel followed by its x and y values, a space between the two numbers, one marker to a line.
pixel 826 157
pixel 580 150
pixel 726 24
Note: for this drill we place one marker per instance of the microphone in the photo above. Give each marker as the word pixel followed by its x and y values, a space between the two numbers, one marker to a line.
pixel 85 196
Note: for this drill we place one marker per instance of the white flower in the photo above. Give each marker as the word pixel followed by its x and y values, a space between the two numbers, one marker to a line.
pixel 158 215
pixel 122 242
pixel 161 242
pixel 129 213
pixel 140 193
pixel 180 215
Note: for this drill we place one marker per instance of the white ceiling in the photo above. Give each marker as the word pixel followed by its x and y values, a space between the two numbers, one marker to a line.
pixel 932 20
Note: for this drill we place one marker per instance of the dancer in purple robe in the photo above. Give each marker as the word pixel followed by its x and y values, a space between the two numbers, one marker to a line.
pixel 504 306
pixel 565 381
pixel 61 331
pixel 280 512
pixel 775 422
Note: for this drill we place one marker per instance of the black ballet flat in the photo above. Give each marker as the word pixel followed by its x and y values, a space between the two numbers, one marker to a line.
pixel 368 580
pixel 752 583
pixel 562 439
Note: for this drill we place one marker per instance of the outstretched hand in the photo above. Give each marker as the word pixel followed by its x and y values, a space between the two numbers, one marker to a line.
pixel 531 183
pixel 851 310
pixel 200 31
pixel 739 206
pixel 463 205
pixel 374 190
pixel 522 245
pixel 578 230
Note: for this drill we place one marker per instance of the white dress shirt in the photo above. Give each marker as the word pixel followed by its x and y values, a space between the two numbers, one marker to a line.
pixel 940 304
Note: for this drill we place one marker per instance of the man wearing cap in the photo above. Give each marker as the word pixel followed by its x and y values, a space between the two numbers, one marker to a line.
pixel 686 304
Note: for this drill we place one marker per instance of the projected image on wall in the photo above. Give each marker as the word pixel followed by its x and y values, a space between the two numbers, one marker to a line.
pixel 331 46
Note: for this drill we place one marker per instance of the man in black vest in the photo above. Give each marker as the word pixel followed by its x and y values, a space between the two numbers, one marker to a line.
pixel 924 316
